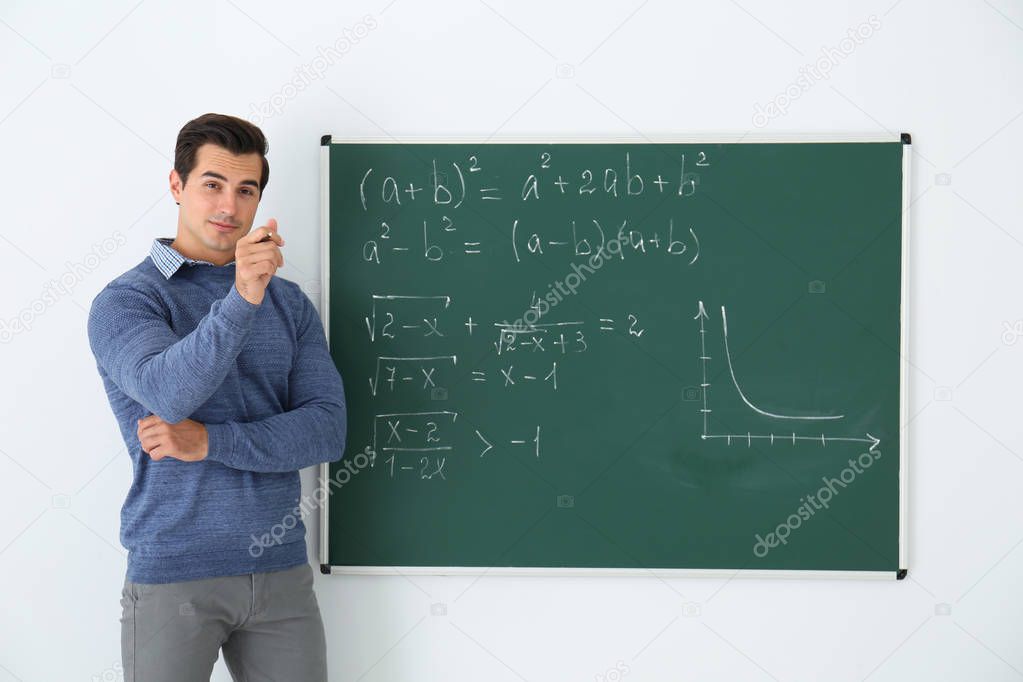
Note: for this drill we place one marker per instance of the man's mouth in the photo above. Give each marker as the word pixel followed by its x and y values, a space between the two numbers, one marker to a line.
pixel 224 228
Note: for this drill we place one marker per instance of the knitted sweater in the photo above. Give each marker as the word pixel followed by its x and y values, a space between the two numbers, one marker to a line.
pixel 174 337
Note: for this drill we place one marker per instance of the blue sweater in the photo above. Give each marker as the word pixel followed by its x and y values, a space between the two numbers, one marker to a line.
pixel 174 338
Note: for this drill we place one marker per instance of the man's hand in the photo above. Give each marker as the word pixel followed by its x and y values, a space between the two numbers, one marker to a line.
pixel 256 261
pixel 186 440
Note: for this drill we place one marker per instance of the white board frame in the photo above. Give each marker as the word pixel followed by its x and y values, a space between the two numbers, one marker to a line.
pixel 707 138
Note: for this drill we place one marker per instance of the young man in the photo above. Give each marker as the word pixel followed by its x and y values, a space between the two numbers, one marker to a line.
pixel 219 376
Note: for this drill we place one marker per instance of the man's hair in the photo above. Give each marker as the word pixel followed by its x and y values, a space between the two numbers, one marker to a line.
pixel 236 135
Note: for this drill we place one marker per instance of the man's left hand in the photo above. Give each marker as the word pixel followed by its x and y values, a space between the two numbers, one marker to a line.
pixel 186 440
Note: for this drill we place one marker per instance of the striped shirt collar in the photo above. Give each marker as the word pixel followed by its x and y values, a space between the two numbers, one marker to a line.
pixel 169 260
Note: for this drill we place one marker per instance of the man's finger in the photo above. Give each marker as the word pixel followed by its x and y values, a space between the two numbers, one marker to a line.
pixel 264 267
pixel 271 253
pixel 149 429
pixel 247 259
pixel 265 231
pixel 267 251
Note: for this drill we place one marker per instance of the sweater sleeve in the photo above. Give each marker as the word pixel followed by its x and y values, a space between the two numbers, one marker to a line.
pixel 312 429
pixel 170 376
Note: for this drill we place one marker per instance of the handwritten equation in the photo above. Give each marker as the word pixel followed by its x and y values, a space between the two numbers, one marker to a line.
pixel 450 185
pixel 416 444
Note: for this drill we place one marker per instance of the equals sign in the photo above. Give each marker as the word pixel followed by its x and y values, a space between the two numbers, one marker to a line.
pixel 479 376
pixel 474 244
pixel 604 321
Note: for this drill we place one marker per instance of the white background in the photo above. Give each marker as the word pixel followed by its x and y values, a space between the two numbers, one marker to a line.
pixel 92 99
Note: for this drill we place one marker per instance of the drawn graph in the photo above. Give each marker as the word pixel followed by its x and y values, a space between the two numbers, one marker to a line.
pixel 780 436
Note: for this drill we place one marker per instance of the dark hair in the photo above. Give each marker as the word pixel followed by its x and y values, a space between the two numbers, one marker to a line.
pixel 236 135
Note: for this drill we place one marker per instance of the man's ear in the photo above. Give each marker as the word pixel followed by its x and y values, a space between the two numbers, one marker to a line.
pixel 175 186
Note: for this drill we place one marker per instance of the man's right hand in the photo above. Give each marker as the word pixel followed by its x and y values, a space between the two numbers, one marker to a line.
pixel 256 263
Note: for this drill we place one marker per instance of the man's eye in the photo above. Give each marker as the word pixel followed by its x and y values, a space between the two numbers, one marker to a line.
pixel 208 184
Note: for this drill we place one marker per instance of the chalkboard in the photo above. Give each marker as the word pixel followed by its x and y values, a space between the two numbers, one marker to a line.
pixel 671 356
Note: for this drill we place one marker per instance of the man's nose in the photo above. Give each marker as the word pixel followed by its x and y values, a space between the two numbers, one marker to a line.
pixel 228 203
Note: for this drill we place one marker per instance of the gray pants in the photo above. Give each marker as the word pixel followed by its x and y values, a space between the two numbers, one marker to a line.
pixel 268 624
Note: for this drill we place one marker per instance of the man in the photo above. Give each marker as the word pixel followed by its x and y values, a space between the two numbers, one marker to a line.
pixel 221 382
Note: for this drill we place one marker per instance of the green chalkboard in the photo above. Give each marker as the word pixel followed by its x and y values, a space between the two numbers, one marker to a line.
pixel 621 355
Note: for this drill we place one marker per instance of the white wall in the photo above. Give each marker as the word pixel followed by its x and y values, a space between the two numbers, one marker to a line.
pixel 92 98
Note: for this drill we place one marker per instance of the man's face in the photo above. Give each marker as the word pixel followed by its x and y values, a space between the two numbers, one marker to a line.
pixel 218 203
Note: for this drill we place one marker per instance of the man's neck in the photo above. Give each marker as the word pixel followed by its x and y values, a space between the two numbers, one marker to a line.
pixel 214 257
